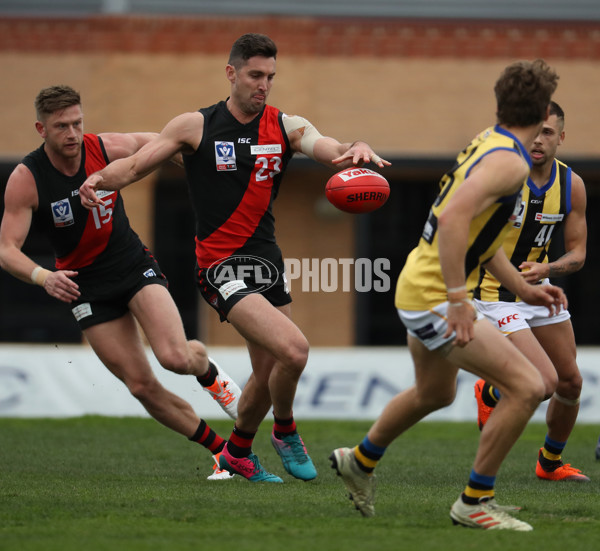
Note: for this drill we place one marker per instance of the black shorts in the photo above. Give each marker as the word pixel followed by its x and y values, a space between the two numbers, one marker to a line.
pixel 222 293
pixel 105 299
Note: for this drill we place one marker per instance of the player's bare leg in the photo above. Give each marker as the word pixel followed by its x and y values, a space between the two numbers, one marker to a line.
pixel 119 346
pixel 435 384
pixel 159 318
pixel 558 341
pixel 279 348
pixel 495 359
pixel 279 352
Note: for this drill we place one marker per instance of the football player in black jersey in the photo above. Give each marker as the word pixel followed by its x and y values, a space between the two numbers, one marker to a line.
pixel 103 271
pixel 235 154
pixel 553 196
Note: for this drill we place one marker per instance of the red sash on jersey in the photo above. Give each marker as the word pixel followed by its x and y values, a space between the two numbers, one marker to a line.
pixel 242 223
pixel 99 224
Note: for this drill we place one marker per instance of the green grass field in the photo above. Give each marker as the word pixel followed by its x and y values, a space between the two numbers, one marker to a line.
pixel 130 484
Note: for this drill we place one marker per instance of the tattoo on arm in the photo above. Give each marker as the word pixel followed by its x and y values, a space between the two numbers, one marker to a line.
pixel 564 266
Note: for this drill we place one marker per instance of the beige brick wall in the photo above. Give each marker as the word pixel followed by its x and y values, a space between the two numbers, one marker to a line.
pixel 409 89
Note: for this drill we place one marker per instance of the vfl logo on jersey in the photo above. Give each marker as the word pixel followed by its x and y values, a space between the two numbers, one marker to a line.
pixel 62 213
pixel 517 221
pixel 516 218
pixel 149 273
pixel 225 156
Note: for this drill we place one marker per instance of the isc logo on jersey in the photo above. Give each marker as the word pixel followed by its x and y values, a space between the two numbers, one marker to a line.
pixel 62 213
pixel 225 156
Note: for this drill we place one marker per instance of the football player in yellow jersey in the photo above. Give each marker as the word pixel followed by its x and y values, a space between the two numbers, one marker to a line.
pixel 554 196
pixel 464 230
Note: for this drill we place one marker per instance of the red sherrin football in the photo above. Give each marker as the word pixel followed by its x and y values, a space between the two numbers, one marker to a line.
pixel 357 190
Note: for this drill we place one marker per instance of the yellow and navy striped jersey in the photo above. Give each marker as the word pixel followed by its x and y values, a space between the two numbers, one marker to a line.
pixel 541 212
pixel 421 285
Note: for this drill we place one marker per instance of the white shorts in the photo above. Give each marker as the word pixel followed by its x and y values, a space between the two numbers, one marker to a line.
pixel 429 326
pixel 510 317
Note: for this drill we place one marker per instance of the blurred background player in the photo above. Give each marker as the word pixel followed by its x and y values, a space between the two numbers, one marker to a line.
pixel 235 154
pixel 553 196
pixel 465 228
pixel 104 272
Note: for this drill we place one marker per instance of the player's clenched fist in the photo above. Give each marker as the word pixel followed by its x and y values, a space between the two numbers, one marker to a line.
pixel 87 192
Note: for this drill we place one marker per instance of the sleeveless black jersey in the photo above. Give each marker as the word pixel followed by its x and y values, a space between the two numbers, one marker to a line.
pixel 92 242
pixel 234 177
pixel 541 212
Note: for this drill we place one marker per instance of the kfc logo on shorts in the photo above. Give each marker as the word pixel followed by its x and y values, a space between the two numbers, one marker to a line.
pixel 62 213
pixel 225 156
pixel 507 319
pixel 260 273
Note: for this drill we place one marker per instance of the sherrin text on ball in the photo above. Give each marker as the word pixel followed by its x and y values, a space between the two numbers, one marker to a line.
pixel 357 190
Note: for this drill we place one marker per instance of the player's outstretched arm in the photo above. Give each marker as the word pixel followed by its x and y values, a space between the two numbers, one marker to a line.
pixel 180 135
pixel 119 145
pixel 354 154
pixel 305 138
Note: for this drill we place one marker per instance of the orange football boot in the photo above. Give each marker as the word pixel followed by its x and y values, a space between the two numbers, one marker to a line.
pixel 559 472
pixel 483 410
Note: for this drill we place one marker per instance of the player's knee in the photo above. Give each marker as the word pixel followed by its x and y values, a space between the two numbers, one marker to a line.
pixel 143 388
pixel 295 355
pixel 175 360
pixel 570 388
pixel 533 394
pixel 436 398
pixel 528 391
pixel 443 397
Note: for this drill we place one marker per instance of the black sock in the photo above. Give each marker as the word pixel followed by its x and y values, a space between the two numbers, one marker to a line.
pixel 488 396
pixel 240 443
pixel 284 427
pixel 210 376
pixel 208 438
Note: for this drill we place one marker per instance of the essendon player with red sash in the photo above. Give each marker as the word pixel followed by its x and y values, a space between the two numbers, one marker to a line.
pixel 98 244
pixel 103 271
pixel 235 154
pixel 235 228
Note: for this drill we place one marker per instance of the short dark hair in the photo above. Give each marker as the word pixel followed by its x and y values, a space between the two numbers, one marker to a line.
pixel 250 45
pixel 556 109
pixel 523 92
pixel 55 98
